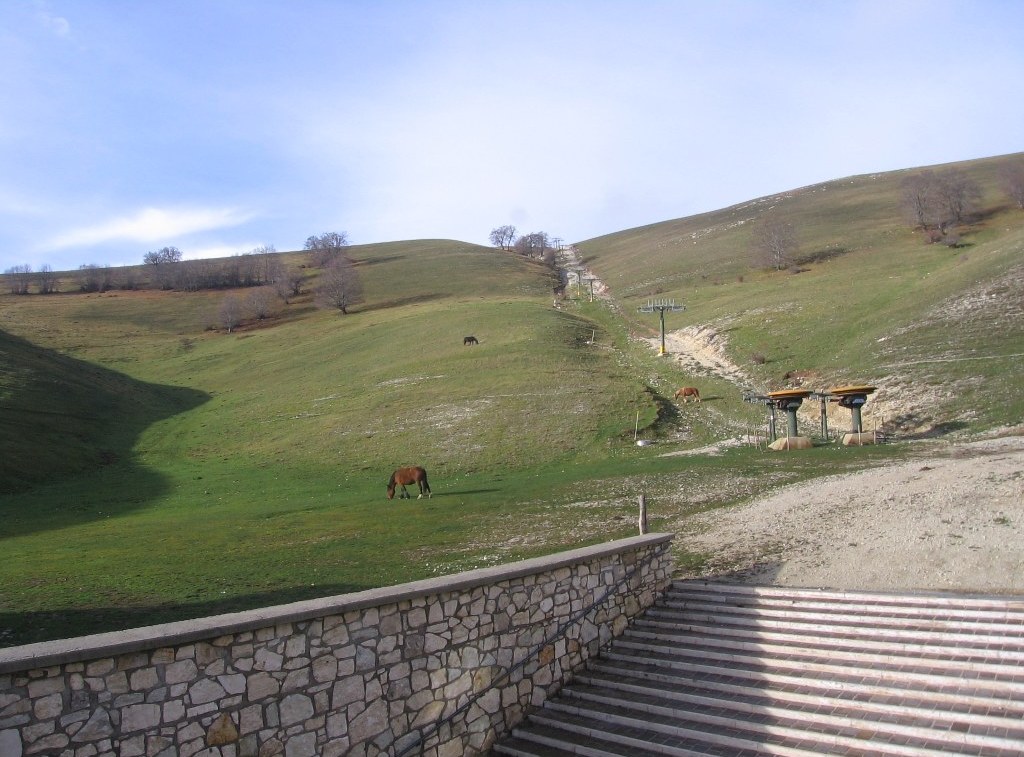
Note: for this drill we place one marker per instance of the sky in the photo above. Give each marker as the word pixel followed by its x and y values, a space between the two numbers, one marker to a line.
pixel 220 126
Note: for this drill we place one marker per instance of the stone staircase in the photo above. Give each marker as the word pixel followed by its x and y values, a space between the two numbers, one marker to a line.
pixel 747 670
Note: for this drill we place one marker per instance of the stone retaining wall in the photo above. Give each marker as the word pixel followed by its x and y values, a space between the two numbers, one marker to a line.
pixel 441 667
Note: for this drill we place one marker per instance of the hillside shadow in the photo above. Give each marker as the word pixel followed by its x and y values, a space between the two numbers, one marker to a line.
pixel 18 628
pixel 67 441
pixel 823 255
pixel 667 414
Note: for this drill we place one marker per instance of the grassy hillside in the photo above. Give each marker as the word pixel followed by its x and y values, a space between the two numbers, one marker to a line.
pixel 940 330
pixel 155 468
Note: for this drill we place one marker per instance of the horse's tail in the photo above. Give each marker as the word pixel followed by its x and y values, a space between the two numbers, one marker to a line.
pixel 426 485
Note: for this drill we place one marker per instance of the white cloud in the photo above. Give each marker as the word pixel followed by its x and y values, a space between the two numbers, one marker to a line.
pixel 59 25
pixel 152 225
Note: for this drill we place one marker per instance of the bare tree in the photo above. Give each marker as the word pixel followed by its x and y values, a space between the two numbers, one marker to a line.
pixel 189 276
pixel 503 237
pixel 288 283
pixel 533 245
pixel 269 262
pixel 230 312
pixel 276 275
pixel 959 196
pixel 919 193
pixel 249 270
pixel 1013 182
pixel 162 262
pixel 126 277
pixel 775 243
pixel 340 286
pixel 326 247
pixel 261 301
pixel 95 278
pixel 19 278
pixel 46 280
pixel 163 255
pixel 936 201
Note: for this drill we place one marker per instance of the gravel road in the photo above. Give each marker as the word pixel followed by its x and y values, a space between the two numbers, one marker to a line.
pixel 951 519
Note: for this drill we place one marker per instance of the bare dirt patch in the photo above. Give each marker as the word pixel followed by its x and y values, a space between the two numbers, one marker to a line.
pixel 951 519
pixel 701 350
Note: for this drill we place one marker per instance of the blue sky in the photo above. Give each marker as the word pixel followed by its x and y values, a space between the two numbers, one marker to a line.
pixel 217 126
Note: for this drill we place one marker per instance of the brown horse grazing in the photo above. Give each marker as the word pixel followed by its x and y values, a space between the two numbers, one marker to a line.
pixel 404 476
pixel 688 391
pixel 469 340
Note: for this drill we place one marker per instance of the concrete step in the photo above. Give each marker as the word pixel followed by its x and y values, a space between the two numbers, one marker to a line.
pixel 742 648
pixel 942 706
pixel 934 617
pixel 914 723
pixel 575 727
pixel 996 649
pixel 722 669
pixel 1010 606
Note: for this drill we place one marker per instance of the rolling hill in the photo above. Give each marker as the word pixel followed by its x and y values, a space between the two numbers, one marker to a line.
pixel 154 466
pixel 939 330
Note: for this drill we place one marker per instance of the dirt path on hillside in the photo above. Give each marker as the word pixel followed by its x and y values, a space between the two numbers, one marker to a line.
pixel 950 519
pixel 701 350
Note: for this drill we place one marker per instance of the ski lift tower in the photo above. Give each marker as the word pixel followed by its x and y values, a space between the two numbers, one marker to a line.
pixel 660 306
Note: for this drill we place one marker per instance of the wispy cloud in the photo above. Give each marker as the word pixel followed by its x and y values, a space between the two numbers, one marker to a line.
pixel 58 25
pixel 152 225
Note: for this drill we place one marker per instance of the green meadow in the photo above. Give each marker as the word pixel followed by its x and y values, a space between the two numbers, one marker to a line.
pixel 154 467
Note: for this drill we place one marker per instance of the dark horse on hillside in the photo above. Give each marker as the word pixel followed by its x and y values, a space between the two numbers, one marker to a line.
pixel 469 340
pixel 403 476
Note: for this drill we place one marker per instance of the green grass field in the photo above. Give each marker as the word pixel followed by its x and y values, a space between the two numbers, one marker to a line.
pixel 154 468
